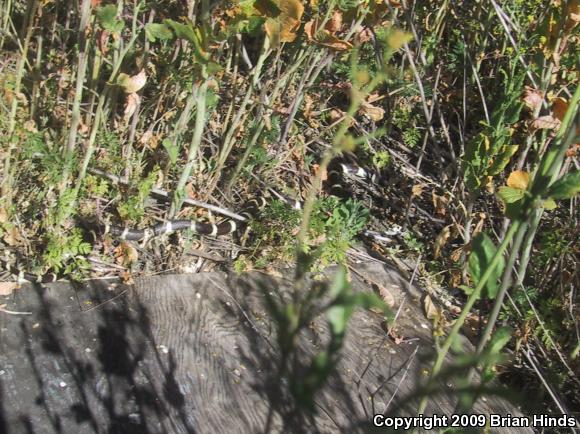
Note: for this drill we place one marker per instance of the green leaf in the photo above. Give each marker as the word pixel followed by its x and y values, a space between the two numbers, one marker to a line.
pixel 338 317
pixel 499 339
pixel 340 284
pixel 182 31
pixel 107 17
pixel 549 204
pixel 566 187
pixel 483 250
pixel 158 31
pixel 106 14
pixel 502 160
pixel 192 35
pixel 510 194
pixel 267 8
pixel 172 150
pixel 466 289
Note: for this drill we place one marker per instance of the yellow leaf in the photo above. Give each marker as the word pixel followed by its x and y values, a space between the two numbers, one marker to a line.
pixel 549 204
pixel 518 179
pixel 282 28
pixel 372 112
pixel 132 84
pixel 324 37
pixel 397 38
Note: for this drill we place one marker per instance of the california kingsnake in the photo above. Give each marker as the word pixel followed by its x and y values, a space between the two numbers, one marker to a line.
pixel 249 211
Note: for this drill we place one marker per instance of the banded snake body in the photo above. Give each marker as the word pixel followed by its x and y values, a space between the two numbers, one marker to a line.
pixel 249 210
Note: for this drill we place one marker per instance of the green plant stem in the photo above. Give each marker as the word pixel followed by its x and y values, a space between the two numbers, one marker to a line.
pixel 357 96
pixel 36 85
pixel 200 117
pixel 247 152
pixel 84 44
pixel 298 97
pixel 6 16
pixel 6 189
pixel 506 284
pixel 261 124
pixel 228 142
pixel 529 230
pixel 442 353
pixel 103 98
pixel 552 162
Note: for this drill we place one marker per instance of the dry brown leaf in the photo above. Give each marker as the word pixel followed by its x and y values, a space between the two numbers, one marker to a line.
pixel 385 294
pixel 30 126
pixel 103 41
pixel 6 288
pixel 133 83
pixel 126 254
pixel 456 256
pixel 190 191
pixel 532 98
pixel 417 190
pixel 518 179
pixel 12 236
pixel 363 36
pixel 334 43
pixel 324 38
pixel 372 112
pixel 547 122
pixel 335 23
pixel 316 169
pixel 574 15
pixel 308 104
pixel 146 137
pixel 441 240
pixel 127 277
pixel 397 338
pixel 479 225
pixel 3 215
pixel 336 115
pixel 573 150
pixel 440 203
pixel 310 29
pixel 133 101
pixel 283 27
pixel 559 108
pixel 430 309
